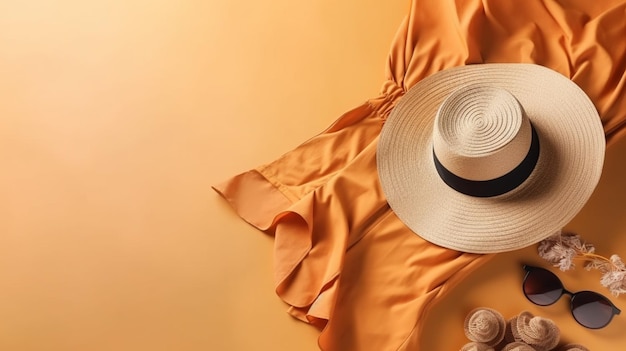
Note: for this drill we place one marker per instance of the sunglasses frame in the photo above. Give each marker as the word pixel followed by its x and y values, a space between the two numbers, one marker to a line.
pixel 572 295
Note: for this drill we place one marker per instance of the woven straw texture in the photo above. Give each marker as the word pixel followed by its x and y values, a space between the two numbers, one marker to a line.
pixel 572 147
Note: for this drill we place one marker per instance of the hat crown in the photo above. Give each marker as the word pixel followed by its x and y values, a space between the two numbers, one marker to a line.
pixel 481 133
pixel 541 195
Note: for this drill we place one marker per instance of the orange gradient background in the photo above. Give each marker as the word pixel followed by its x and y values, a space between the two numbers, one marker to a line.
pixel 116 118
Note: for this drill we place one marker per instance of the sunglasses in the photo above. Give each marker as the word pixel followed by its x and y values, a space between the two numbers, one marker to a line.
pixel 589 308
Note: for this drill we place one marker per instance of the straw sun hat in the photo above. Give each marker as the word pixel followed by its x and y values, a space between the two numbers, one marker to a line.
pixel 490 158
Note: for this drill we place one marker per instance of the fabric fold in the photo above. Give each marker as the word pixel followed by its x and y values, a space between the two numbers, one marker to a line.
pixel 343 260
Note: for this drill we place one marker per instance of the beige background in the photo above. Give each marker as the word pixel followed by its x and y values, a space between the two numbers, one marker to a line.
pixel 116 116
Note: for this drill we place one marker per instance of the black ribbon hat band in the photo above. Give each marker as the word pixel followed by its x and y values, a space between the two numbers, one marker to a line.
pixel 496 186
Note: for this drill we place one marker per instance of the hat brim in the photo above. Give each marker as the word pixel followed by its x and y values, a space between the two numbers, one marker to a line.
pixel 570 163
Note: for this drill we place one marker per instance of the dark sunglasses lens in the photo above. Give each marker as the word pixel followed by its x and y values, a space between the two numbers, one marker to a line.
pixel 542 287
pixel 591 309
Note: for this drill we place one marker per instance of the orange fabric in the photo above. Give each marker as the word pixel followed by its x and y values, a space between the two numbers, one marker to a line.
pixel 343 260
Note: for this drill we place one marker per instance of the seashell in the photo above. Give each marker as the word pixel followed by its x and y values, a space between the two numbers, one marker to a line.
pixel 518 346
pixel 540 333
pixel 485 325
pixel 476 346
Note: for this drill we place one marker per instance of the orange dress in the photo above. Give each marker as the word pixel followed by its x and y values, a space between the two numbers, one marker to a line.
pixel 343 260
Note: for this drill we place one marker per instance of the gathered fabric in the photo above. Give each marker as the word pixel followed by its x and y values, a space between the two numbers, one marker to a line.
pixel 343 261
